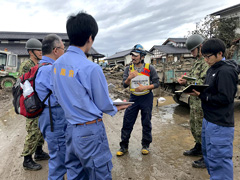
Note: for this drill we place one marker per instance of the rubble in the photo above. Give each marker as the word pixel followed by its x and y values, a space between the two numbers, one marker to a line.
pixel 170 71
pixel 114 69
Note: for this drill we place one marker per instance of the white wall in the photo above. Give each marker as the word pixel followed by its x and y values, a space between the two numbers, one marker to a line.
pixel 90 58
pixel 237 30
pixel 128 59
pixel 147 59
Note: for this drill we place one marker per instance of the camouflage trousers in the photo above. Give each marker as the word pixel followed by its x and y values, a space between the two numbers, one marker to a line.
pixel 34 137
pixel 196 118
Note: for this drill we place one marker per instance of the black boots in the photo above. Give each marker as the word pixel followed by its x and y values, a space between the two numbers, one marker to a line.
pixel 40 154
pixel 29 164
pixel 199 163
pixel 196 151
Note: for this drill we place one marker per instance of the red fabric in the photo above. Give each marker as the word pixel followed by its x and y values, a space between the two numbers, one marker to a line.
pixel 146 72
pixel 30 76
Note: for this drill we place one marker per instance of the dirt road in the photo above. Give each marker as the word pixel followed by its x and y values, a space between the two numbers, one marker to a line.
pixel 171 136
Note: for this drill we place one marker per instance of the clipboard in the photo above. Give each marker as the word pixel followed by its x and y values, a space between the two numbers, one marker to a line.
pixel 122 103
pixel 188 89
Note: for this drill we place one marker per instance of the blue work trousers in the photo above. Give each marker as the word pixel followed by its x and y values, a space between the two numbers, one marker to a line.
pixel 145 104
pixel 217 149
pixel 55 141
pixel 88 156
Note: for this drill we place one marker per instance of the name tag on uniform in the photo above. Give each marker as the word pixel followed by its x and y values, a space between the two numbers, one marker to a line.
pixel 144 80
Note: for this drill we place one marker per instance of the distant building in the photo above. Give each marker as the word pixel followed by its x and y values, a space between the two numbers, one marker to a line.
pixel 125 58
pixel 172 50
pixel 233 11
pixel 15 42
pixel 173 59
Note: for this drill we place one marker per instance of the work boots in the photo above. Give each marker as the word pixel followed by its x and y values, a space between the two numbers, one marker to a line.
pixel 199 163
pixel 29 164
pixel 145 150
pixel 40 154
pixel 196 151
pixel 122 151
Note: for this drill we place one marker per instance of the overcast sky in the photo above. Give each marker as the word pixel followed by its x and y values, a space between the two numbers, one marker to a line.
pixel 122 23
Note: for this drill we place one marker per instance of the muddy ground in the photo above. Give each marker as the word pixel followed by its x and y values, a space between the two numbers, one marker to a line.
pixel 171 136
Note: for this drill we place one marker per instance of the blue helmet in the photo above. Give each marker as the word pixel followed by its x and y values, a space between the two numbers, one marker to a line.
pixel 138 48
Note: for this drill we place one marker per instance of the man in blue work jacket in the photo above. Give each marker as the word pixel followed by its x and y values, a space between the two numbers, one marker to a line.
pixel 52 123
pixel 218 108
pixel 81 89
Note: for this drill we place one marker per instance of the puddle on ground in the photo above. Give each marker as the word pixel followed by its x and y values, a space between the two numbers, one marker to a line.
pixel 169 112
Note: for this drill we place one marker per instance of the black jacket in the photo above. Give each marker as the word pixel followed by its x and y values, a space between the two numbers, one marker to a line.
pixel 218 98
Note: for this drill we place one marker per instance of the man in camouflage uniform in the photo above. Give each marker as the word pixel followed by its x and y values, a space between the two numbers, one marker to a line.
pixel 194 44
pixel 34 139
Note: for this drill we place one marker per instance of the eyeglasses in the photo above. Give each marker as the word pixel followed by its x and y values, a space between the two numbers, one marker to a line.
pixel 207 56
pixel 61 48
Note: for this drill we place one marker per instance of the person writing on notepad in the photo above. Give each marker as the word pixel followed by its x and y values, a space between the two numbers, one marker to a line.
pixel 194 44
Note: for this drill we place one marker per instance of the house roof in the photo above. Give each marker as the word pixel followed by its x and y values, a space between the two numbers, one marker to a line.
pixel 19 48
pixel 119 54
pixel 226 10
pixel 122 54
pixel 94 53
pixel 169 49
pixel 7 35
pixel 176 40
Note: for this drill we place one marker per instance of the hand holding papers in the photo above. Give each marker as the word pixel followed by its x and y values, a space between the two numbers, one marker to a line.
pixel 189 78
pixel 120 102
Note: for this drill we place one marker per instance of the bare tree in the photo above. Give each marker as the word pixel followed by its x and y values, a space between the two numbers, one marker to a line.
pixel 222 28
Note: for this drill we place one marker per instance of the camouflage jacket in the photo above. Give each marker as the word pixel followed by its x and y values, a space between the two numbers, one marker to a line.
pixel 25 66
pixel 198 71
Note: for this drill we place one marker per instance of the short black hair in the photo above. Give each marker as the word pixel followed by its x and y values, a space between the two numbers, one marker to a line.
pixel 213 46
pixel 80 27
pixel 50 42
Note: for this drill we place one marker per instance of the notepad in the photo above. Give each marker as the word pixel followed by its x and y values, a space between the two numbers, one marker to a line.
pixel 190 88
pixel 189 78
pixel 120 102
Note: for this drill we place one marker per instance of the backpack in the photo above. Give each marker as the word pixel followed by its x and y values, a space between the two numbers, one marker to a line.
pixel 30 106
